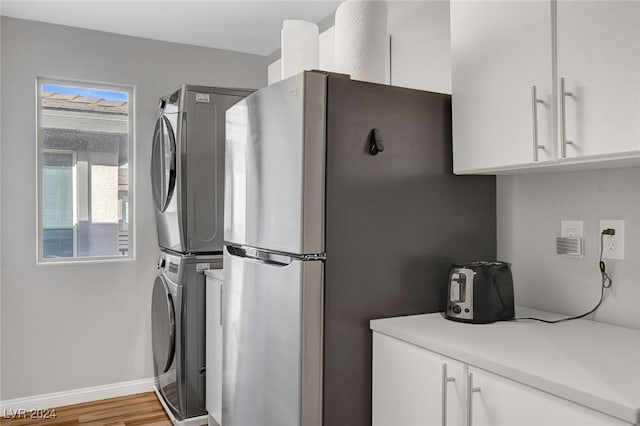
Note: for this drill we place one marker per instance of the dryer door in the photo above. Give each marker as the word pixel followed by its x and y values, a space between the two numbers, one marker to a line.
pixel 163 163
pixel 163 326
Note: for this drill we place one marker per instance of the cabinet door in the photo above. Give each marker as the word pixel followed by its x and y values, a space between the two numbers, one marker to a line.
pixel 503 402
pixel 599 58
pixel 408 385
pixel 214 345
pixel 500 50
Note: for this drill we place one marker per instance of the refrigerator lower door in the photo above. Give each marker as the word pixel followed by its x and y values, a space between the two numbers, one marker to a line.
pixel 272 335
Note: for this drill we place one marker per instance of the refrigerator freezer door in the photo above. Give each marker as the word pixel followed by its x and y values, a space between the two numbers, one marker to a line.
pixel 272 341
pixel 274 167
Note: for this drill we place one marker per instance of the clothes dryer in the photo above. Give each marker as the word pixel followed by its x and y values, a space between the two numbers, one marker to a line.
pixel 187 167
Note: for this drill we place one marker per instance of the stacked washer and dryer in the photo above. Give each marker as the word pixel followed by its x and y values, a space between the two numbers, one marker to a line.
pixel 187 175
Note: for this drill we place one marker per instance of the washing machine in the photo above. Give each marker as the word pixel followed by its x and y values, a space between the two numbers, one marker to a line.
pixel 178 334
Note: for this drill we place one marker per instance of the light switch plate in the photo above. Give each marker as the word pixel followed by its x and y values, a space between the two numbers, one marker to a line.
pixel 571 228
pixel 613 245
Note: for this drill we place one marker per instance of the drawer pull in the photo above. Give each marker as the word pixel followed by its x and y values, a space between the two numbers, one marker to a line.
pixel 445 379
pixel 563 119
pixel 470 391
pixel 534 113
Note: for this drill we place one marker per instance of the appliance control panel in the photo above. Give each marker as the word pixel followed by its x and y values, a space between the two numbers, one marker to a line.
pixel 169 266
pixel 461 293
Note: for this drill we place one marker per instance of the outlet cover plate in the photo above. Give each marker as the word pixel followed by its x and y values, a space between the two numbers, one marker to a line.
pixel 613 245
pixel 571 228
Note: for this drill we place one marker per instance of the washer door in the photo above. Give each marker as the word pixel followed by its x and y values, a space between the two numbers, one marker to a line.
pixel 163 326
pixel 163 163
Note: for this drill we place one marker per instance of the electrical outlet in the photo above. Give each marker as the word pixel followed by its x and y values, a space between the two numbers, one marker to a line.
pixel 571 228
pixel 613 245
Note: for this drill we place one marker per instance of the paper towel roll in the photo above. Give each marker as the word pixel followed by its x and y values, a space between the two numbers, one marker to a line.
pixel 299 47
pixel 361 40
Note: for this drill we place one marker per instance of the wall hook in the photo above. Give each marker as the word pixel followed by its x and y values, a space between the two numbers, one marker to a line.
pixel 375 142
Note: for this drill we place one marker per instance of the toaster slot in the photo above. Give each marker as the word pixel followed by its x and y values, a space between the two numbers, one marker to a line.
pixel 460 295
pixel 458 287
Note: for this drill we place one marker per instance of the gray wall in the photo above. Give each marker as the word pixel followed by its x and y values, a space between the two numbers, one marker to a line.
pixel 530 208
pixel 73 326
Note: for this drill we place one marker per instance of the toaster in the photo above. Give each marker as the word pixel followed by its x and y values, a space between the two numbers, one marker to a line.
pixel 480 292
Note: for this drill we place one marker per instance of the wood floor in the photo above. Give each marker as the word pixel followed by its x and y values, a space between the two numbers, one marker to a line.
pixel 131 410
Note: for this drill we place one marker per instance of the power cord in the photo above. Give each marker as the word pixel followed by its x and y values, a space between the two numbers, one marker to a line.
pixel 606 283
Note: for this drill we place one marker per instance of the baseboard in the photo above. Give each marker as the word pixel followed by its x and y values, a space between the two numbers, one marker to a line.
pixel 78 396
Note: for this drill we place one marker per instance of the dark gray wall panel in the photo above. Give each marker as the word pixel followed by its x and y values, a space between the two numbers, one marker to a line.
pixel 395 223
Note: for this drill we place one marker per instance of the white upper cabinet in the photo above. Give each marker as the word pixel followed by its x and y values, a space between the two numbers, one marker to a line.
pixel 501 50
pixel 599 60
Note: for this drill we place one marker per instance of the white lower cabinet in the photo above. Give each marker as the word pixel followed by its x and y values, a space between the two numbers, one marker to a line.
pixel 410 385
pixel 503 402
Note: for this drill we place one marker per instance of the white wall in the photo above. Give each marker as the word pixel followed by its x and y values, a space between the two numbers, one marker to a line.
pixel 420 46
pixel 75 326
pixel 530 208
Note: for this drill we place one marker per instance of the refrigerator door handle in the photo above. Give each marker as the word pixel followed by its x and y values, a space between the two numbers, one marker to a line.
pixel 262 256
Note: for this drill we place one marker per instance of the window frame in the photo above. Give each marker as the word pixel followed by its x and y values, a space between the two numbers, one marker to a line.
pixel 40 150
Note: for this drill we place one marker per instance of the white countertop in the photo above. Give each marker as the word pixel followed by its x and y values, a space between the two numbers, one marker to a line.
pixel 591 363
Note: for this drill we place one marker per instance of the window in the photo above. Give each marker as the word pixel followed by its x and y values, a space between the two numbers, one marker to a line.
pixel 84 171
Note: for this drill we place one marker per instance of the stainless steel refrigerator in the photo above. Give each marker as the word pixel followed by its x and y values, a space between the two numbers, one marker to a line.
pixel 340 207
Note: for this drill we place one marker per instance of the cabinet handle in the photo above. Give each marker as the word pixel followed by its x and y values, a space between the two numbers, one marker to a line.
pixel 220 311
pixel 534 113
pixel 470 392
pixel 563 119
pixel 445 379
